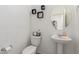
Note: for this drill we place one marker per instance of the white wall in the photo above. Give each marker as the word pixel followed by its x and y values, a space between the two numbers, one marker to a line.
pixel 47 29
pixel 14 27
pixel 76 23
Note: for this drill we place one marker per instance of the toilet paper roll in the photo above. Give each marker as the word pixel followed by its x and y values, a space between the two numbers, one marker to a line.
pixel 8 48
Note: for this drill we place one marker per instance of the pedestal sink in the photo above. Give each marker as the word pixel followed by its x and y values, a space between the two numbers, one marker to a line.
pixel 60 40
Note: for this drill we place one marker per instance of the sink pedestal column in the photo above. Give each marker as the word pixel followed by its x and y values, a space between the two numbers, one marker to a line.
pixel 59 48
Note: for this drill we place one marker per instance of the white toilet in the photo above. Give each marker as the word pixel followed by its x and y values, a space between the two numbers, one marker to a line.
pixel 35 41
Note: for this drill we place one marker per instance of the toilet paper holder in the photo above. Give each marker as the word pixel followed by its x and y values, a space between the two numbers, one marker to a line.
pixel 6 49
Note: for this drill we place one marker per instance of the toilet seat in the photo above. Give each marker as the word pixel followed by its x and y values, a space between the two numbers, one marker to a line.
pixel 30 50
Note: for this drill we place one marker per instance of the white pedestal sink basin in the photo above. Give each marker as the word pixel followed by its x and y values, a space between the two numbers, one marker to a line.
pixel 60 41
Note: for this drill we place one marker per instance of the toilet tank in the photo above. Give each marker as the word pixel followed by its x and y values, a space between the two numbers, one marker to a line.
pixel 35 40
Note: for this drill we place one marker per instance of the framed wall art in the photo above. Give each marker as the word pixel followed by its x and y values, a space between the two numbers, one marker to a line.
pixel 40 14
pixel 42 7
pixel 33 11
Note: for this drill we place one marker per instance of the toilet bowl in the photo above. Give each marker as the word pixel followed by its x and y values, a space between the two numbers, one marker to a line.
pixel 35 41
pixel 30 50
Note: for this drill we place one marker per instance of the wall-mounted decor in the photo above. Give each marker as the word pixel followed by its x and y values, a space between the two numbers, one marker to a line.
pixel 42 7
pixel 40 14
pixel 33 11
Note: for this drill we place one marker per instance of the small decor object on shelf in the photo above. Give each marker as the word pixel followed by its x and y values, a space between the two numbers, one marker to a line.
pixel 42 7
pixel 40 14
pixel 33 11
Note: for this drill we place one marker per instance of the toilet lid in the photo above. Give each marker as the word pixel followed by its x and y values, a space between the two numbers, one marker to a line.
pixel 29 50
